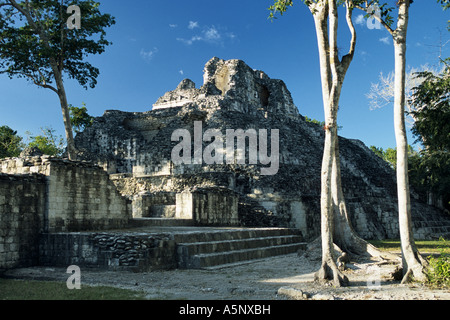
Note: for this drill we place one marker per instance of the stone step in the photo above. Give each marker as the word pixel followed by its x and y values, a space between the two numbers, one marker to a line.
pixel 199 250
pixel 160 222
pixel 232 245
pixel 227 234
pixel 201 261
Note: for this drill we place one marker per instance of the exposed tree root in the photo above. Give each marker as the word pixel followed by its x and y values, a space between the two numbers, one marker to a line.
pixel 415 269
pixel 331 269
pixel 329 272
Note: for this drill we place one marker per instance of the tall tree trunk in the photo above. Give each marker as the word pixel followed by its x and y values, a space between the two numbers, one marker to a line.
pixel 413 263
pixel 345 236
pixel 335 224
pixel 331 87
pixel 329 269
pixel 65 113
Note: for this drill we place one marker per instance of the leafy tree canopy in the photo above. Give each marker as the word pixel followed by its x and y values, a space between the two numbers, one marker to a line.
pixel 31 51
pixel 10 143
pixel 80 118
pixel 47 142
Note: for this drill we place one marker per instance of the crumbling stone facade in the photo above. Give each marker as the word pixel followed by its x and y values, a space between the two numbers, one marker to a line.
pixel 22 203
pixel 79 195
pixel 135 149
pixel 47 195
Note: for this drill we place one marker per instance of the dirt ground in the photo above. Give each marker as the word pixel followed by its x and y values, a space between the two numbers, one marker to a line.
pixel 277 278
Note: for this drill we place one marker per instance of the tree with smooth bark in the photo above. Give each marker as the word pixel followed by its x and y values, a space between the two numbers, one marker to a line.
pixel 414 266
pixel 42 41
pixel 336 228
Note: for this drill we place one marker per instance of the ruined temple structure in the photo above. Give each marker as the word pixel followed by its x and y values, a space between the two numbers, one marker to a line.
pixel 173 187
pixel 135 149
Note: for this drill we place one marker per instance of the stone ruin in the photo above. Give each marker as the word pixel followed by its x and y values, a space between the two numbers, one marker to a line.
pixel 60 212
pixel 135 149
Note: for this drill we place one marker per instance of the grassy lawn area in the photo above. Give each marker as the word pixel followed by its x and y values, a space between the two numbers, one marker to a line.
pixel 46 290
pixel 424 246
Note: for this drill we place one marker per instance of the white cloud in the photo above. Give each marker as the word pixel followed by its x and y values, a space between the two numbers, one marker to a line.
pixel 181 72
pixel 360 19
pixel 172 25
pixel 148 55
pixel 211 34
pixel 191 40
pixel 385 40
pixel 207 34
pixel 231 35
pixel 192 25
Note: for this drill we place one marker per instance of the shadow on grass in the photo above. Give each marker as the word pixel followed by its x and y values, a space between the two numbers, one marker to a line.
pixel 11 289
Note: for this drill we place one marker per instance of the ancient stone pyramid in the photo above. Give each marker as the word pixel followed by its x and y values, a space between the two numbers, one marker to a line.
pixel 136 149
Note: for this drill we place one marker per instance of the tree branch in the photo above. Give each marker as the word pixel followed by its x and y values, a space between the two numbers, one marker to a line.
pixel 35 81
pixel 61 58
pixel 40 32
pixel 320 15
pixel 334 58
pixel 346 60
pixel 383 23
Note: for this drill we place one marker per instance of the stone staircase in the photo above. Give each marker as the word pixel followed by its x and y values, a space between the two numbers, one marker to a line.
pixel 160 222
pixel 222 248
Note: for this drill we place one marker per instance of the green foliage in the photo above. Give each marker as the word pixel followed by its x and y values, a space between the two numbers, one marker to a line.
pixel 32 52
pixel 10 143
pixel 438 272
pixel 280 6
pixel 429 171
pixel 320 123
pixel 378 151
pixel 47 142
pixel 80 118
pixel 431 100
pixel 390 155
pixel 444 3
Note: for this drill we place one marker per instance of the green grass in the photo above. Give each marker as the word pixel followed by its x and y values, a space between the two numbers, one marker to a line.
pixel 424 246
pixel 47 290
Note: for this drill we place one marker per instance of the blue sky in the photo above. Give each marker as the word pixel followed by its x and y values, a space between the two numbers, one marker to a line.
pixel 156 44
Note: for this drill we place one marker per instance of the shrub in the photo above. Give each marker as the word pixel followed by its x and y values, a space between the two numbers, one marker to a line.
pixel 439 267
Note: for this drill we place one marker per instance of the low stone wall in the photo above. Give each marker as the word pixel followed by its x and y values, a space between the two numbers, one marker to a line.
pixel 110 251
pixel 155 205
pixel 22 203
pixel 79 197
pixel 208 206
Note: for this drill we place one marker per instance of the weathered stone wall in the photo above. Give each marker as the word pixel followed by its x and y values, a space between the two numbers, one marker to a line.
pixel 111 251
pixel 79 195
pixel 155 205
pixel 22 204
pixel 209 206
